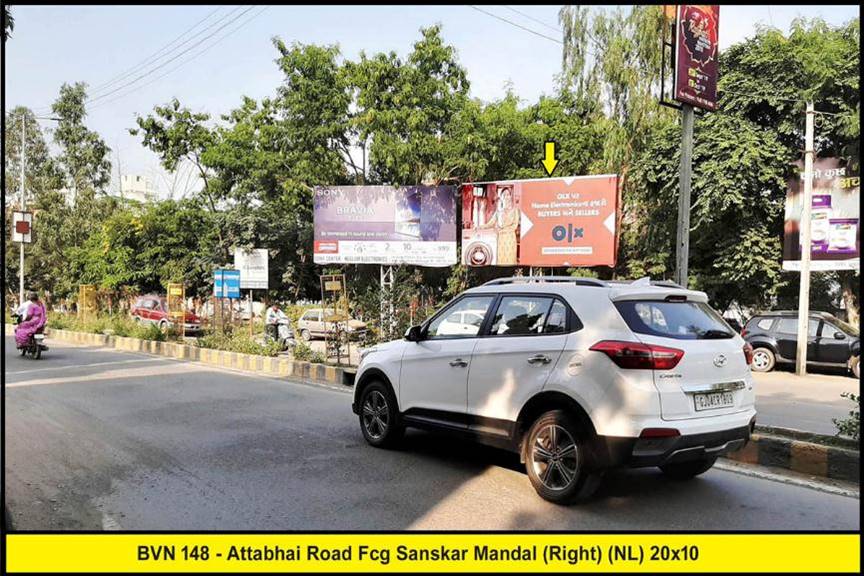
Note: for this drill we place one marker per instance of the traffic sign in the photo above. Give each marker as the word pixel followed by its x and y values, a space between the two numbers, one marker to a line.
pixel 22 227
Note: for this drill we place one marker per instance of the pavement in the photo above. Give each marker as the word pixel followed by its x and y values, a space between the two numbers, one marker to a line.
pixel 808 403
pixel 102 439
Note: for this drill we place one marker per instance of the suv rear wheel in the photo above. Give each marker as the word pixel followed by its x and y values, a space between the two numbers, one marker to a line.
pixel 556 458
pixel 763 360
pixel 379 417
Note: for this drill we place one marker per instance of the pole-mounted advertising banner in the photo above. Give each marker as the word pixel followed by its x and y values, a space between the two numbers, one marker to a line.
pixel 696 51
pixel 413 225
pixel 835 225
pixel 545 222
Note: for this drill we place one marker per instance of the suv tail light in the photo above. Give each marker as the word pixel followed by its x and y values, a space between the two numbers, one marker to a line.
pixel 638 356
pixel 748 353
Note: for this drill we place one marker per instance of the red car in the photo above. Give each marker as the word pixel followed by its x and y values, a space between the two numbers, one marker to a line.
pixel 153 309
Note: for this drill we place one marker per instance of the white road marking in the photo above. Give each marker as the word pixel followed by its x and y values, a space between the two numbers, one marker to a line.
pixel 109 523
pixel 55 368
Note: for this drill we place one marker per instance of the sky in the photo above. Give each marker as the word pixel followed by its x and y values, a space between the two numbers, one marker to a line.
pixel 105 47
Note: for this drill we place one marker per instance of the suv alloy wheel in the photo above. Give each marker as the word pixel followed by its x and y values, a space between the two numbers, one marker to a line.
pixel 379 418
pixel 556 458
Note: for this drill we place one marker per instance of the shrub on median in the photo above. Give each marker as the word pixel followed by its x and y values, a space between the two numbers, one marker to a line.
pixel 118 325
pixel 237 342
pixel 850 426
pixel 304 353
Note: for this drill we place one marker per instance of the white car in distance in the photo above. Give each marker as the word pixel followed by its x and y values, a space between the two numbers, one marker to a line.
pixel 576 375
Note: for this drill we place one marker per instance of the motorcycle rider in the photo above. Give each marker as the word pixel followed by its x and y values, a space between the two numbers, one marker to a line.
pixel 272 319
pixel 32 322
pixel 23 310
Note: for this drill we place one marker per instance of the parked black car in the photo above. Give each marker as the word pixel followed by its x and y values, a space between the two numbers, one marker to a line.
pixel 830 341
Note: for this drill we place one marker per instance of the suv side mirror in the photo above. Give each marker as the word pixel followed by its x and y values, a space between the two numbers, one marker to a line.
pixel 414 334
pixel 839 336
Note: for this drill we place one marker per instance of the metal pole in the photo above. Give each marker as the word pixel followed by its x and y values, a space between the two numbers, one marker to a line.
pixel 682 246
pixel 23 205
pixel 804 290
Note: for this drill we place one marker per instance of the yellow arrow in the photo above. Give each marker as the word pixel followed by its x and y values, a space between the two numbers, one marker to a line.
pixel 549 161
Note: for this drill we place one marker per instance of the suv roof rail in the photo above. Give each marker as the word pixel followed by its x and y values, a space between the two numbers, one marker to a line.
pixel 661 283
pixel 526 279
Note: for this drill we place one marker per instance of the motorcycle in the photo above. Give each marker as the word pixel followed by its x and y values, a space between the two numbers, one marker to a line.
pixel 35 345
pixel 284 335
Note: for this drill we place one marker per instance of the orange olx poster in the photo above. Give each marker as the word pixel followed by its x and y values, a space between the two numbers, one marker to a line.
pixel 544 222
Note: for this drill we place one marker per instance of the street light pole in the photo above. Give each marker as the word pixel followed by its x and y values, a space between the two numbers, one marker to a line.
pixel 21 244
pixel 682 240
pixel 804 230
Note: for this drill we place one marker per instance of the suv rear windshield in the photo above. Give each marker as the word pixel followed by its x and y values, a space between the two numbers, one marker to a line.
pixel 680 320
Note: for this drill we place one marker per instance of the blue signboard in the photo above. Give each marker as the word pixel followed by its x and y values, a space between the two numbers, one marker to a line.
pixel 226 284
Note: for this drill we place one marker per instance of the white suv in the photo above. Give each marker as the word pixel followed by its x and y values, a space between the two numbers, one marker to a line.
pixel 576 375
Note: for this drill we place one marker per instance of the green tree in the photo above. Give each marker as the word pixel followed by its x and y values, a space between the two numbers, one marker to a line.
pixel 405 109
pixel 143 248
pixel 768 79
pixel 41 178
pixel 84 157
pixel 8 23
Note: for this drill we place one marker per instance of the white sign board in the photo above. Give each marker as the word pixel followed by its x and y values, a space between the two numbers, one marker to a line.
pixel 22 227
pixel 253 267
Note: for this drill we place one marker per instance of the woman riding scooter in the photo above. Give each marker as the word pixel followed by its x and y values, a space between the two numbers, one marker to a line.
pixel 32 322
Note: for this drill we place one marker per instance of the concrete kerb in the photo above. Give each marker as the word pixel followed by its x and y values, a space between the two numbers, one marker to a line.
pixel 278 367
pixel 796 450
pixel 804 452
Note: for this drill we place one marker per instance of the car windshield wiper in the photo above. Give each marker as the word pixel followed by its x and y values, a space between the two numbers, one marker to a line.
pixel 715 334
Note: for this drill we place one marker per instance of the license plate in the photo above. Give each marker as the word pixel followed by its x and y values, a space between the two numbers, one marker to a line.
pixel 714 400
pixel 39 336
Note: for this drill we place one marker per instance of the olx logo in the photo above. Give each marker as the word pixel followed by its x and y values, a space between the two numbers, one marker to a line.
pixel 567 233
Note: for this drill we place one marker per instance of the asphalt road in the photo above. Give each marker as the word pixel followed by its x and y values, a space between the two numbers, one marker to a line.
pixel 100 439
pixel 809 403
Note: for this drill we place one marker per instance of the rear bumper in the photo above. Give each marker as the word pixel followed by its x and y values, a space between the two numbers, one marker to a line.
pixel 641 452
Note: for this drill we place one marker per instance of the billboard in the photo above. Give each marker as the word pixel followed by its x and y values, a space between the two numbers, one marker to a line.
pixel 385 225
pixel 226 283
pixel 253 266
pixel 834 218
pixel 696 51
pixel 544 222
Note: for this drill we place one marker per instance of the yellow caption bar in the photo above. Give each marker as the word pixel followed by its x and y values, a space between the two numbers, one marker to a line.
pixel 433 553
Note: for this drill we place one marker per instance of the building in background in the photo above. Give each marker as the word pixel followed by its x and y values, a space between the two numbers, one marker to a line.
pixel 137 188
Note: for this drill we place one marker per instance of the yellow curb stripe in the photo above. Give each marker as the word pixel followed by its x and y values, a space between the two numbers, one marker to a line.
pixel 809 458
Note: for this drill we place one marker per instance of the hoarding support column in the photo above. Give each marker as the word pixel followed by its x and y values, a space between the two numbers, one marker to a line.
pixel 682 246
pixel 806 248
pixel 387 300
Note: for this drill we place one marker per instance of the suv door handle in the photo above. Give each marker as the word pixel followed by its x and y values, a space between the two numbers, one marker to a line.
pixel 459 362
pixel 539 359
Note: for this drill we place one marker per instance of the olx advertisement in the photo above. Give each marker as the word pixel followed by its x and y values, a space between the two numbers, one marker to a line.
pixel 547 222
